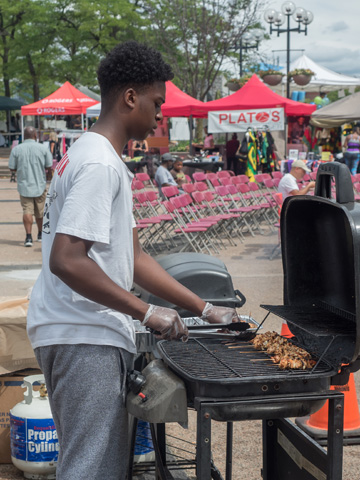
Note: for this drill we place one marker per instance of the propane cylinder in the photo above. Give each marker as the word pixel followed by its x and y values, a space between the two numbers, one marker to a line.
pixel 34 442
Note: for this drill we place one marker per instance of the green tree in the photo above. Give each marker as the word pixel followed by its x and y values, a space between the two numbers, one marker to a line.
pixel 11 17
pixel 197 36
pixel 46 42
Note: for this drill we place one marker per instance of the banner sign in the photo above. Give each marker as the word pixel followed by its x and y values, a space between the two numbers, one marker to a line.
pixel 240 120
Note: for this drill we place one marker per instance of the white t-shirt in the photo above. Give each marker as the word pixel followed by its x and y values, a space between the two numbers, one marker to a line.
pixel 287 184
pixel 90 197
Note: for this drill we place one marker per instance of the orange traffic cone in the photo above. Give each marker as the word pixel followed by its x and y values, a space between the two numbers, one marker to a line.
pixel 316 425
pixel 285 330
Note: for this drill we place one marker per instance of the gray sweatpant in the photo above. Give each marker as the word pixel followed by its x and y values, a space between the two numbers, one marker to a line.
pixel 86 387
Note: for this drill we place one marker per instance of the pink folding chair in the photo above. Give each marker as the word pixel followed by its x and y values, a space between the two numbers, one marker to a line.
pixel 258 177
pixel 223 173
pixel 170 191
pixel 192 236
pixel 137 185
pixel 199 176
pixel 356 186
pixel 244 178
pixel 212 180
pixel 188 187
pixel 261 200
pixel 276 182
pixel 225 194
pixel 145 178
pixel 200 186
pixel 188 178
pixel 226 180
pixel 277 174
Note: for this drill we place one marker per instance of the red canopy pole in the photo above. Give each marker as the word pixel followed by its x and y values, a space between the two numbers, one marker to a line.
pixel 191 134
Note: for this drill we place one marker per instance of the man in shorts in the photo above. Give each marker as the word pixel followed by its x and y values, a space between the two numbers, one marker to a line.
pixel 30 160
pixel 80 317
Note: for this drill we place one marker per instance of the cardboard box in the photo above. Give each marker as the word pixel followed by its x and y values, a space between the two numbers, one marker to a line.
pixel 11 393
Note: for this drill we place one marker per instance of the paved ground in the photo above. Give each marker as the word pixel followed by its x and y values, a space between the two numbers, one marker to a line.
pixel 258 278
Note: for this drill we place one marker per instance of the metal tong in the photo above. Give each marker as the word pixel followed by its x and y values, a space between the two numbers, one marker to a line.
pixel 240 327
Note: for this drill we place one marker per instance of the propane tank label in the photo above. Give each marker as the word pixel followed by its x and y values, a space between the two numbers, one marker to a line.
pixel 34 439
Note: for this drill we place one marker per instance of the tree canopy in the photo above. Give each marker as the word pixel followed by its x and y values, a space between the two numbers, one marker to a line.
pixel 46 42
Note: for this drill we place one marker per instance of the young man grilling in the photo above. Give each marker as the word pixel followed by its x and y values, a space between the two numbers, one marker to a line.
pixel 80 314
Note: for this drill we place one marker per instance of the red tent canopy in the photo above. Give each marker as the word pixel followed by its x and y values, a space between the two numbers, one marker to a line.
pixel 255 94
pixel 180 104
pixel 66 100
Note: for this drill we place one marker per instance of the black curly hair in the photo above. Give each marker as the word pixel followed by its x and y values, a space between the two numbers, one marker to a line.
pixel 131 64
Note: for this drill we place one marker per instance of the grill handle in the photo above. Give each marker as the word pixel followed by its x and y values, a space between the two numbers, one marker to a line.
pixel 343 183
pixel 241 297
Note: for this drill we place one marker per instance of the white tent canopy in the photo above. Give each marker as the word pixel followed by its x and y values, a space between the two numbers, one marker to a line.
pixel 93 111
pixel 323 80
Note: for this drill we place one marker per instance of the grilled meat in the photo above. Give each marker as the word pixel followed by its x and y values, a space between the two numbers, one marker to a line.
pixel 284 353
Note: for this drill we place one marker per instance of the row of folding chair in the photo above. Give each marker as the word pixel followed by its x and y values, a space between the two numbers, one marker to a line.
pixel 212 213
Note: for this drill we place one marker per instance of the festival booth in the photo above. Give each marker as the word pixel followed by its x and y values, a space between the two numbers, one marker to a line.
pixel 177 104
pixel 345 110
pixel 66 100
pixel 256 110
pixel 7 134
pixel 323 79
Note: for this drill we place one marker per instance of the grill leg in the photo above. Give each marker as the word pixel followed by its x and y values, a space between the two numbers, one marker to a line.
pixel 335 437
pixel 229 445
pixel 133 429
pixel 203 444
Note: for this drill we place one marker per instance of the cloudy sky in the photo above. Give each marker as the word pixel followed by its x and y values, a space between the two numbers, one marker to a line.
pixel 332 40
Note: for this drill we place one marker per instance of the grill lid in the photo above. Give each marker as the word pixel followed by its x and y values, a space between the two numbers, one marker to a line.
pixel 321 261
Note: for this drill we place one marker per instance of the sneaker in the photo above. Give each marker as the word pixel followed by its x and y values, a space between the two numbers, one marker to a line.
pixel 39 237
pixel 28 242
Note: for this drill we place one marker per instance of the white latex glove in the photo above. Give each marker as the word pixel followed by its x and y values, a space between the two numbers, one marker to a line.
pixel 166 321
pixel 215 314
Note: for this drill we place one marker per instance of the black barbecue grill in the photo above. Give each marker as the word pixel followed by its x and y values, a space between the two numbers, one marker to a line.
pixel 321 260
pixel 237 369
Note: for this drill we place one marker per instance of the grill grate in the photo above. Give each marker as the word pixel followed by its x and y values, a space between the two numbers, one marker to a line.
pixel 214 360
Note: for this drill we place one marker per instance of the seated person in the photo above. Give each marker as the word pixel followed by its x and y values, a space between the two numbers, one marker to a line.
pixel 163 177
pixel 177 172
pixel 288 184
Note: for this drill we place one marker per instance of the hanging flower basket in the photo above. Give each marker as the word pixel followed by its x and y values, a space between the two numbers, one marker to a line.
pixel 233 86
pixel 272 79
pixel 301 80
pixel 301 76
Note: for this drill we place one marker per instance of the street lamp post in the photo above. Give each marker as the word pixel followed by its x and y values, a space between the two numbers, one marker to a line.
pixel 300 15
pixel 247 43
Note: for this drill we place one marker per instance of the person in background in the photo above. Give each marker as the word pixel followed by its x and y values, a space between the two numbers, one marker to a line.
pixel 54 146
pixel 31 161
pixel 55 152
pixel 208 141
pixel 297 130
pixel 75 123
pixel 288 185
pixel 163 177
pixel 177 172
pixel 140 148
pixel 231 158
pixel 81 311
pixel 352 150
